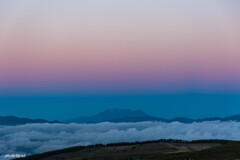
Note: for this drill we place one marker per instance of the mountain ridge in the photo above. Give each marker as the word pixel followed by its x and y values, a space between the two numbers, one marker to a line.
pixel 13 120
pixel 115 115
pixel 120 115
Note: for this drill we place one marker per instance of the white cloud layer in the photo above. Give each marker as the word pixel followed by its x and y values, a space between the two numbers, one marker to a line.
pixel 37 138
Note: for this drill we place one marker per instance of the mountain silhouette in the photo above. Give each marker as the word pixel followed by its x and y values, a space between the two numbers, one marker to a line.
pixel 120 115
pixel 12 120
pixel 117 115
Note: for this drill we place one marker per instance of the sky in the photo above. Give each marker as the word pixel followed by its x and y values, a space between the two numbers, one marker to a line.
pixel 147 47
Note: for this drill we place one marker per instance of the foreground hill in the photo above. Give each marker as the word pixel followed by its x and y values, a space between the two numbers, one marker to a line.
pixel 229 151
pixel 155 150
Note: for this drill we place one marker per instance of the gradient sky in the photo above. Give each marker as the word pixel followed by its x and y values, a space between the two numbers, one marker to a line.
pixel 119 47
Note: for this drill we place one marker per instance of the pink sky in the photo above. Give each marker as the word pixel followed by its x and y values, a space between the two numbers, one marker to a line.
pixel 121 45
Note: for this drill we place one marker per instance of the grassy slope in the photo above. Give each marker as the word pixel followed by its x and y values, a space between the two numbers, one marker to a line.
pixel 230 151
pixel 128 151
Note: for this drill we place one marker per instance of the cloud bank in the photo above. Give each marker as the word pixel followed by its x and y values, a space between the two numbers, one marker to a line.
pixel 37 138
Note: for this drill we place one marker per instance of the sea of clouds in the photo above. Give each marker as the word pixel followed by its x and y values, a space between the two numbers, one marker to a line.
pixel 37 138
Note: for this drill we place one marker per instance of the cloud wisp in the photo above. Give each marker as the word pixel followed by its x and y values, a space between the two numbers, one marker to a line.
pixel 38 138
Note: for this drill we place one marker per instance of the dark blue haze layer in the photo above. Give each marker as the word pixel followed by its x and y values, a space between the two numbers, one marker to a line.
pixel 63 107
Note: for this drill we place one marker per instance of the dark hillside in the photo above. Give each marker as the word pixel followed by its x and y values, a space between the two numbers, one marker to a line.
pixel 122 151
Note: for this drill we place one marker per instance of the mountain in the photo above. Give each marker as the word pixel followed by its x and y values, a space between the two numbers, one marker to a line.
pixel 12 120
pixel 232 118
pixel 117 115
pixel 120 115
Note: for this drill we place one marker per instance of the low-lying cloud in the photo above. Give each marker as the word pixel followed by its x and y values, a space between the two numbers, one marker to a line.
pixel 37 138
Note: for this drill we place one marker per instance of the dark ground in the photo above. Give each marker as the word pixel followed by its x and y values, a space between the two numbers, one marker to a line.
pixel 151 150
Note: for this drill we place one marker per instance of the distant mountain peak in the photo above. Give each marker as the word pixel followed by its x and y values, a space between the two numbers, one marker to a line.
pixel 118 115
pixel 123 112
pixel 113 115
pixel 114 109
